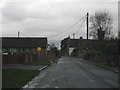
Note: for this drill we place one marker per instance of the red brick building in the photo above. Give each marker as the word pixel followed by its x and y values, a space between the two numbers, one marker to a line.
pixel 22 44
pixel 23 50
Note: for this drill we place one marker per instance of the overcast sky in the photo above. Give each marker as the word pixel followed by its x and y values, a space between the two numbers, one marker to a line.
pixel 48 18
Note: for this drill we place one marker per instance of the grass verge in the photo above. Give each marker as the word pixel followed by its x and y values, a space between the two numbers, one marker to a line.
pixel 42 62
pixel 17 78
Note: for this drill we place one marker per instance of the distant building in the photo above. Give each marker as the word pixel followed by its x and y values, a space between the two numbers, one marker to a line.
pixel 80 45
pixel 23 44
pixel 68 45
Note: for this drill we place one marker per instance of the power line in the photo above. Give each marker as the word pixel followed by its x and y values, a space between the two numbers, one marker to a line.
pixel 80 27
pixel 67 28
pixel 60 32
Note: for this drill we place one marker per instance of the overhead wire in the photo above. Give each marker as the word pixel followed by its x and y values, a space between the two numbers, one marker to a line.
pixel 52 36
pixel 80 27
pixel 66 29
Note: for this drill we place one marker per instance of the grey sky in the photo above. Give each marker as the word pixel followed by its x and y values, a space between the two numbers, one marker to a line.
pixel 46 18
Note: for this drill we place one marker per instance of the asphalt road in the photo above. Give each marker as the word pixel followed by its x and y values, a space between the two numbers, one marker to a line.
pixel 73 73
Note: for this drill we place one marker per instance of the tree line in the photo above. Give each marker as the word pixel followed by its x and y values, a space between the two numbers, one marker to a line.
pixel 108 45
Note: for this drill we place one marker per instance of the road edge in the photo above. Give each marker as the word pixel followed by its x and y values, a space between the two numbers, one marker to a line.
pixel 108 68
pixel 44 67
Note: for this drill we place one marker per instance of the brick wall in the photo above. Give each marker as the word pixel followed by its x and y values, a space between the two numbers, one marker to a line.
pixel 22 58
pixel 49 54
pixel 15 59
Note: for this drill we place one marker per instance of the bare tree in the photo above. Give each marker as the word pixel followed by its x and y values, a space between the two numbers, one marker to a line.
pixel 101 25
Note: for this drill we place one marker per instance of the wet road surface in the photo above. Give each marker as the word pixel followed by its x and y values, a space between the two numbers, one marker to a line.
pixel 73 73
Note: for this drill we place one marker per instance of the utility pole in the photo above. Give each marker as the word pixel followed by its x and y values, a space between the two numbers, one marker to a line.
pixel 18 34
pixel 68 36
pixel 87 24
pixel 73 36
pixel 87 30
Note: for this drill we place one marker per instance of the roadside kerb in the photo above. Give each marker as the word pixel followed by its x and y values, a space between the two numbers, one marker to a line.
pixel 43 68
pixel 25 86
pixel 35 76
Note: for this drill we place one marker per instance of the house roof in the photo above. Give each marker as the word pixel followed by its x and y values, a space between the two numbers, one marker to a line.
pixel 74 42
pixel 24 42
pixel 87 44
pixel 80 43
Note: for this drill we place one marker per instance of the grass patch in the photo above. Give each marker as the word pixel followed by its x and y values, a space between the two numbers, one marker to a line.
pixel 38 63
pixel 46 61
pixel 17 78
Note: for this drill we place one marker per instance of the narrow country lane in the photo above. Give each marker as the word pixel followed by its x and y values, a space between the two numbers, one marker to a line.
pixel 73 73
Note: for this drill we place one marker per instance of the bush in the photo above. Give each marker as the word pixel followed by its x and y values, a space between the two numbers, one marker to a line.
pixel 111 49
pixel 89 55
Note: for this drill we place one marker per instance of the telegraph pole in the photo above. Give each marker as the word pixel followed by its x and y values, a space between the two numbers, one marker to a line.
pixel 18 34
pixel 73 35
pixel 87 24
pixel 87 30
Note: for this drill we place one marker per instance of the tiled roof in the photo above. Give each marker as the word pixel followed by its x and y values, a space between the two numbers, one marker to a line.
pixel 24 42
pixel 84 42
